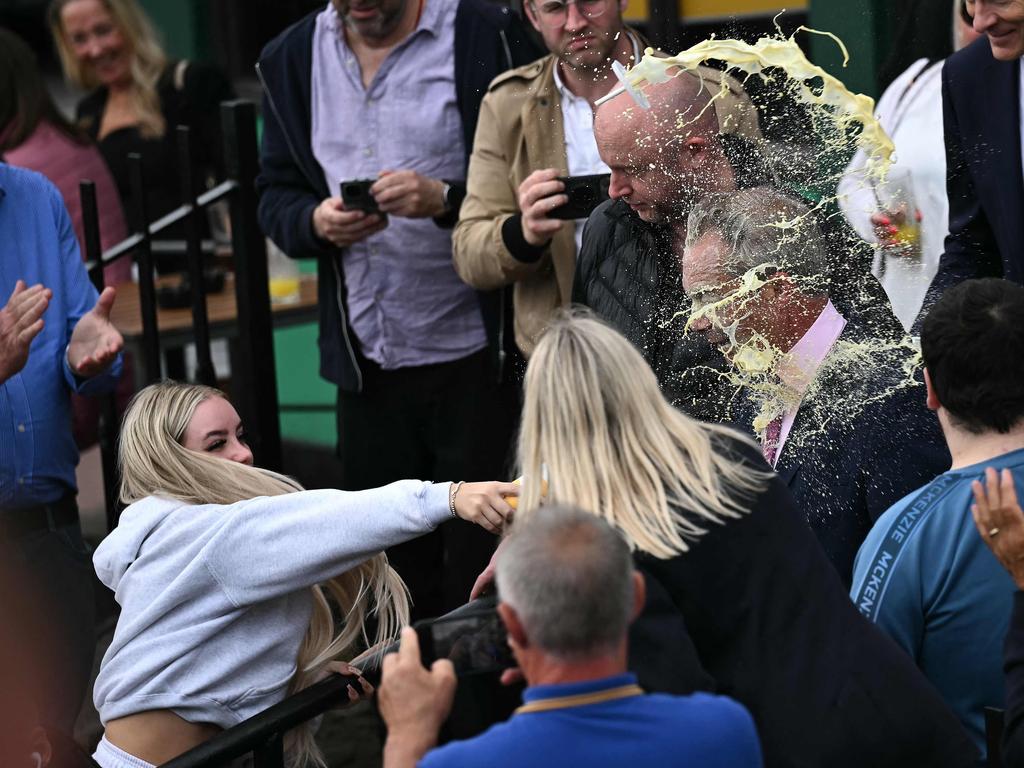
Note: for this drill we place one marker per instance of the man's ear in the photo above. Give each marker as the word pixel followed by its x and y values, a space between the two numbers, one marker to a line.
pixel 516 634
pixel 933 400
pixel 639 595
pixel 694 147
pixel 622 10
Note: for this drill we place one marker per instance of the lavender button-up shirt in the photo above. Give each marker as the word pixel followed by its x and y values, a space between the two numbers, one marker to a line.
pixel 407 306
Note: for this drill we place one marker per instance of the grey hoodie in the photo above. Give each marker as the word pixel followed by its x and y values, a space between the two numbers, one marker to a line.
pixel 215 601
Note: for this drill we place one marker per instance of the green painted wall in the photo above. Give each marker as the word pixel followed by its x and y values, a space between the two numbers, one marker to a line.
pixel 182 25
pixel 862 26
pixel 298 383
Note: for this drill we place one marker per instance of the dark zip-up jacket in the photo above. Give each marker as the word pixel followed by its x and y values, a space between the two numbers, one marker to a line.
pixel 488 40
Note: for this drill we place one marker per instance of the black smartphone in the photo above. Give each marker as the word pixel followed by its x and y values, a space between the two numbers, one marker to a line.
pixel 475 641
pixel 355 194
pixel 585 194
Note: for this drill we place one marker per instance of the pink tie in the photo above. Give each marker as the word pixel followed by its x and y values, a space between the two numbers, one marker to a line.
pixel 770 447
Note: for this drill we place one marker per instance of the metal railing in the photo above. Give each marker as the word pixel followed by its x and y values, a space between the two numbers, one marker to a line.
pixel 256 399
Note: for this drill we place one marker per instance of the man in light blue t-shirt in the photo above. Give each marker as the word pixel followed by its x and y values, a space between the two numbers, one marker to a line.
pixel 923 574
pixel 568 594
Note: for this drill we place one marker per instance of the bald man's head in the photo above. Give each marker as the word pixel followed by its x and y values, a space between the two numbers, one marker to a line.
pixel 665 158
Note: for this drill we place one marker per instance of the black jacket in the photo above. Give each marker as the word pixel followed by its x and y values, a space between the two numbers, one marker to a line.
pixel 981 119
pixel 1013 666
pixel 772 625
pixel 488 40
pixel 862 440
pixel 627 274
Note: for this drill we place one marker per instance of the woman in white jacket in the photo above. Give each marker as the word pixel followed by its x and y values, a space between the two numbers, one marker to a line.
pixel 223 572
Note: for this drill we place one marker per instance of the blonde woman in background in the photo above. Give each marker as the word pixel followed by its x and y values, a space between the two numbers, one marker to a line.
pixel 137 96
pixel 225 574
pixel 720 541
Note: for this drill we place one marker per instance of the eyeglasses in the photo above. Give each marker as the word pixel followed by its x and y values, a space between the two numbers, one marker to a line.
pixel 554 13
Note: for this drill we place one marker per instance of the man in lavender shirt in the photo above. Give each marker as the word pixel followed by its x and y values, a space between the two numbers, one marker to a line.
pixel 842 414
pixel 388 90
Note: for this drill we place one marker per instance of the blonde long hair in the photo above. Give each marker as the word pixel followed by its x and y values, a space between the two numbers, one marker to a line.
pixel 148 60
pixel 597 428
pixel 154 462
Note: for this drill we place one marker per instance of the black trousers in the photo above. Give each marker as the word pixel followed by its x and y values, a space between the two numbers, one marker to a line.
pixel 57 568
pixel 445 422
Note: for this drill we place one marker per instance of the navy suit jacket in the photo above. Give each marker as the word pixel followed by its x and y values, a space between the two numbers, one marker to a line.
pixel 846 465
pixel 984 182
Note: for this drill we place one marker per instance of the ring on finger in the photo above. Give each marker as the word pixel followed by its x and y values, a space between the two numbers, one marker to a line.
pixel 993 532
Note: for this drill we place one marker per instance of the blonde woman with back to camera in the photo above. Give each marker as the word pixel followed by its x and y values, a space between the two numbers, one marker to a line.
pixel 225 574
pixel 721 544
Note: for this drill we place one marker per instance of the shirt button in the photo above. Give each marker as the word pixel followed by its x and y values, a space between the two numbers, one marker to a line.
pixel 368 152
pixel 21 427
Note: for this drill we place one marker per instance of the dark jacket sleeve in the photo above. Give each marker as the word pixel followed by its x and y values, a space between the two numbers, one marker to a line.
pixel 1013 667
pixel 970 248
pixel 287 201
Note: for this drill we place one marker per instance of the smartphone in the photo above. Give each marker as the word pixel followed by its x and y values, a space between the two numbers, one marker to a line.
pixel 355 194
pixel 472 638
pixel 585 194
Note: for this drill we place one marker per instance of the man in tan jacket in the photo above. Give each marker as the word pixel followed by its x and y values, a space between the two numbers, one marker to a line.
pixel 536 124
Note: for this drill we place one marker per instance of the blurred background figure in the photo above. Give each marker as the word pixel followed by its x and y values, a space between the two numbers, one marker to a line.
pixel 909 248
pixel 138 95
pixel 35 135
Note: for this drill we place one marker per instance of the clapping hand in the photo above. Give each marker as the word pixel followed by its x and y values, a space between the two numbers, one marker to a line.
pixel 21 320
pixel 1000 520
pixel 95 342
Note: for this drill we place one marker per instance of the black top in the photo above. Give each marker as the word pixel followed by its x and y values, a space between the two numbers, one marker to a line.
pixel 196 103
pixel 768 619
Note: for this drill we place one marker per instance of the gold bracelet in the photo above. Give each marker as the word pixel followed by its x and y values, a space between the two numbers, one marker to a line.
pixel 452 493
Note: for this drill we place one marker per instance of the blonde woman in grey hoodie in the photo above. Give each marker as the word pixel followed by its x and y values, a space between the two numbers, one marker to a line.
pixel 223 573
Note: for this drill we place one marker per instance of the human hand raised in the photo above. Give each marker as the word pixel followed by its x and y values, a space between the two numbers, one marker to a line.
pixel 485 504
pixel 21 320
pixel 409 194
pixel 341 227
pixel 95 341
pixel 539 194
pixel 1000 520
pixel 413 701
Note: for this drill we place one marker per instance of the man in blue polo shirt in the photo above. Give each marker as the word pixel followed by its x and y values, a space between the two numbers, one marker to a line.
pixel 568 594
pixel 923 574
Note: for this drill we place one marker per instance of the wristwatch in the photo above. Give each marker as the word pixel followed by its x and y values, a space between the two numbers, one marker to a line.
pixel 446 201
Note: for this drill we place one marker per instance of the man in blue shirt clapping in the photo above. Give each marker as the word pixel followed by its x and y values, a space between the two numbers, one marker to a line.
pixel 55 338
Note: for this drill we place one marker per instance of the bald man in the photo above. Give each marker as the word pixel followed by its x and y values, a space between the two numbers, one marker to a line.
pixel 700 136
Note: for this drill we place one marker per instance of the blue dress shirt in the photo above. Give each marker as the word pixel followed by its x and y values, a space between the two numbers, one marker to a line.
pixel 37 244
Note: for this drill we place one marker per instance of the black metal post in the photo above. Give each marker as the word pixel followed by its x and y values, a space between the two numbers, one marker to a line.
pixel 271 754
pixel 108 423
pixel 147 289
pixel 255 374
pixel 194 255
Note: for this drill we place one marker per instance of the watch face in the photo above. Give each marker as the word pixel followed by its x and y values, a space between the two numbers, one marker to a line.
pixel 446 196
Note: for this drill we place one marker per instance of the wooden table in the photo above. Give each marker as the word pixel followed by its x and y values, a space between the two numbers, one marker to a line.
pixel 175 325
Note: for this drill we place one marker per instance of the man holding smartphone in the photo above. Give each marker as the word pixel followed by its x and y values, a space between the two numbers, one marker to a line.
pixel 383 90
pixel 536 125
pixel 568 592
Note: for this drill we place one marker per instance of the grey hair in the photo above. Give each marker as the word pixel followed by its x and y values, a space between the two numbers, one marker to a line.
pixel 761 226
pixel 569 576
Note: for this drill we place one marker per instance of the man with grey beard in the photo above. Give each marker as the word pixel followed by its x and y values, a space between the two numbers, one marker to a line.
pixel 387 91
